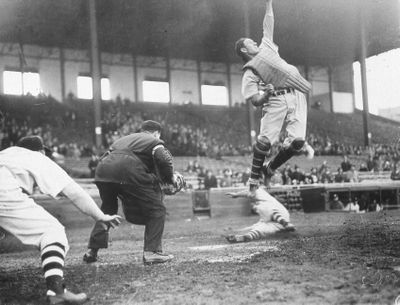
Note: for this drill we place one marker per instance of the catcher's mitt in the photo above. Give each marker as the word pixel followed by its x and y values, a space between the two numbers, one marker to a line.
pixel 179 184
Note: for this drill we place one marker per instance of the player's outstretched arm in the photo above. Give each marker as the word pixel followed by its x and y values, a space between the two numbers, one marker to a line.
pixel 241 194
pixel 268 22
pixel 81 199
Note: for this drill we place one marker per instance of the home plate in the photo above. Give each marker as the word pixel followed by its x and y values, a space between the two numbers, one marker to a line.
pixel 243 245
pixel 209 247
pixel 231 253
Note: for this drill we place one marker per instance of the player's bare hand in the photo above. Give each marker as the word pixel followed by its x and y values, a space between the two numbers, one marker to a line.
pixel 232 194
pixel 112 221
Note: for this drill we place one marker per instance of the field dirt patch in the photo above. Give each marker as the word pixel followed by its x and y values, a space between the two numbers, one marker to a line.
pixel 332 258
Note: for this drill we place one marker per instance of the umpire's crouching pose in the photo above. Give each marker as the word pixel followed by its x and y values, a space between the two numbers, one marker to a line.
pixel 133 170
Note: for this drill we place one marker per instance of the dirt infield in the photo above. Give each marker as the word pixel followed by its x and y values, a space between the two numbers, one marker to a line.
pixel 332 258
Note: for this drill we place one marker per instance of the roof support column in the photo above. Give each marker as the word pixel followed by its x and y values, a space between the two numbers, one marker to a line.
pixel 96 72
pixel 250 107
pixel 330 80
pixel 363 55
pixel 229 83
pixel 199 81
pixel 62 73
pixel 135 77
pixel 307 76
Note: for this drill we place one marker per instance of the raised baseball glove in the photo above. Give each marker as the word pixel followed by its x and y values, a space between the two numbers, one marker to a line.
pixel 178 185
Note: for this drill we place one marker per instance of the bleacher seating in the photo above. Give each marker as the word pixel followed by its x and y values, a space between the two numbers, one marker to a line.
pixel 221 130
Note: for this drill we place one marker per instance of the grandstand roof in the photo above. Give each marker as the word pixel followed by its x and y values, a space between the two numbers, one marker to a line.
pixel 309 32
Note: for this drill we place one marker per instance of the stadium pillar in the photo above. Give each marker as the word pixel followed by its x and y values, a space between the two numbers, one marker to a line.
pixel 135 77
pixel 62 73
pixel 168 68
pixel 250 107
pixel 363 55
pixel 330 80
pixel 198 63
pixel 96 72
pixel 307 76
pixel 229 83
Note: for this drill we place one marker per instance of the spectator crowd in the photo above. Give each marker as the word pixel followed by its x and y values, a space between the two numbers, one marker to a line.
pixel 187 132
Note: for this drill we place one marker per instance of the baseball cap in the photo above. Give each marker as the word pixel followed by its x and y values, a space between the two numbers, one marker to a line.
pixel 34 143
pixel 151 126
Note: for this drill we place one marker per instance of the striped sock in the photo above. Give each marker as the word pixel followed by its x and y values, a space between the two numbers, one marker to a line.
pixel 259 153
pixel 258 160
pixel 276 216
pixel 53 256
pixel 252 235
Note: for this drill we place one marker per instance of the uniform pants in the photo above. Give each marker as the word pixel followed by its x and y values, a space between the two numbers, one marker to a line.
pixel 140 206
pixel 288 110
pixel 264 229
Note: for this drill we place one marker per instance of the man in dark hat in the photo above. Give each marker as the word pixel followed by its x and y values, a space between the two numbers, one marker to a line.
pixel 23 167
pixel 133 170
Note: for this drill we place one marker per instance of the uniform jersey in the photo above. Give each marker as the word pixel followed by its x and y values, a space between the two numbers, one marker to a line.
pixel 251 83
pixel 278 72
pixel 21 170
pixel 30 169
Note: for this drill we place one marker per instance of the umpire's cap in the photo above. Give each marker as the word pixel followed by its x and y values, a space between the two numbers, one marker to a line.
pixel 150 126
pixel 34 143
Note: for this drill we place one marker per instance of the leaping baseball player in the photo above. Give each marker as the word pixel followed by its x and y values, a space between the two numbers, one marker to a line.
pixel 283 101
pixel 274 217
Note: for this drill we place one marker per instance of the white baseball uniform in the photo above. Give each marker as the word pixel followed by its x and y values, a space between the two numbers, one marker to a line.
pixel 21 170
pixel 272 215
pixel 288 109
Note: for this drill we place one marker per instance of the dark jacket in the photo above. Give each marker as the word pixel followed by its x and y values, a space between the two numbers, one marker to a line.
pixel 131 160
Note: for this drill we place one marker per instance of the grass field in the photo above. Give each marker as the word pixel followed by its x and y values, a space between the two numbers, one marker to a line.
pixel 332 258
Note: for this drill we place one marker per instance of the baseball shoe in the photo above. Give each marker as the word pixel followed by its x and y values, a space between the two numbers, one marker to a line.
pixel 66 297
pixel 289 227
pixel 308 151
pixel 253 184
pixel 233 239
pixel 151 258
pixel 90 256
pixel 268 173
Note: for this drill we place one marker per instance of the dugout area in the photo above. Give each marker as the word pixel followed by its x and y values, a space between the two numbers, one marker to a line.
pixel 306 198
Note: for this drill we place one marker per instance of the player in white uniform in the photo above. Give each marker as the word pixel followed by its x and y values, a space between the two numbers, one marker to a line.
pixel 282 99
pixel 274 217
pixel 22 169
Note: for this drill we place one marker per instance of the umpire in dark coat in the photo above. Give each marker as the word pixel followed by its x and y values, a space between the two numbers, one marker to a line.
pixel 133 170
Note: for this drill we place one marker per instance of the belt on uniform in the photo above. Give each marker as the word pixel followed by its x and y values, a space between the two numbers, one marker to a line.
pixel 282 91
